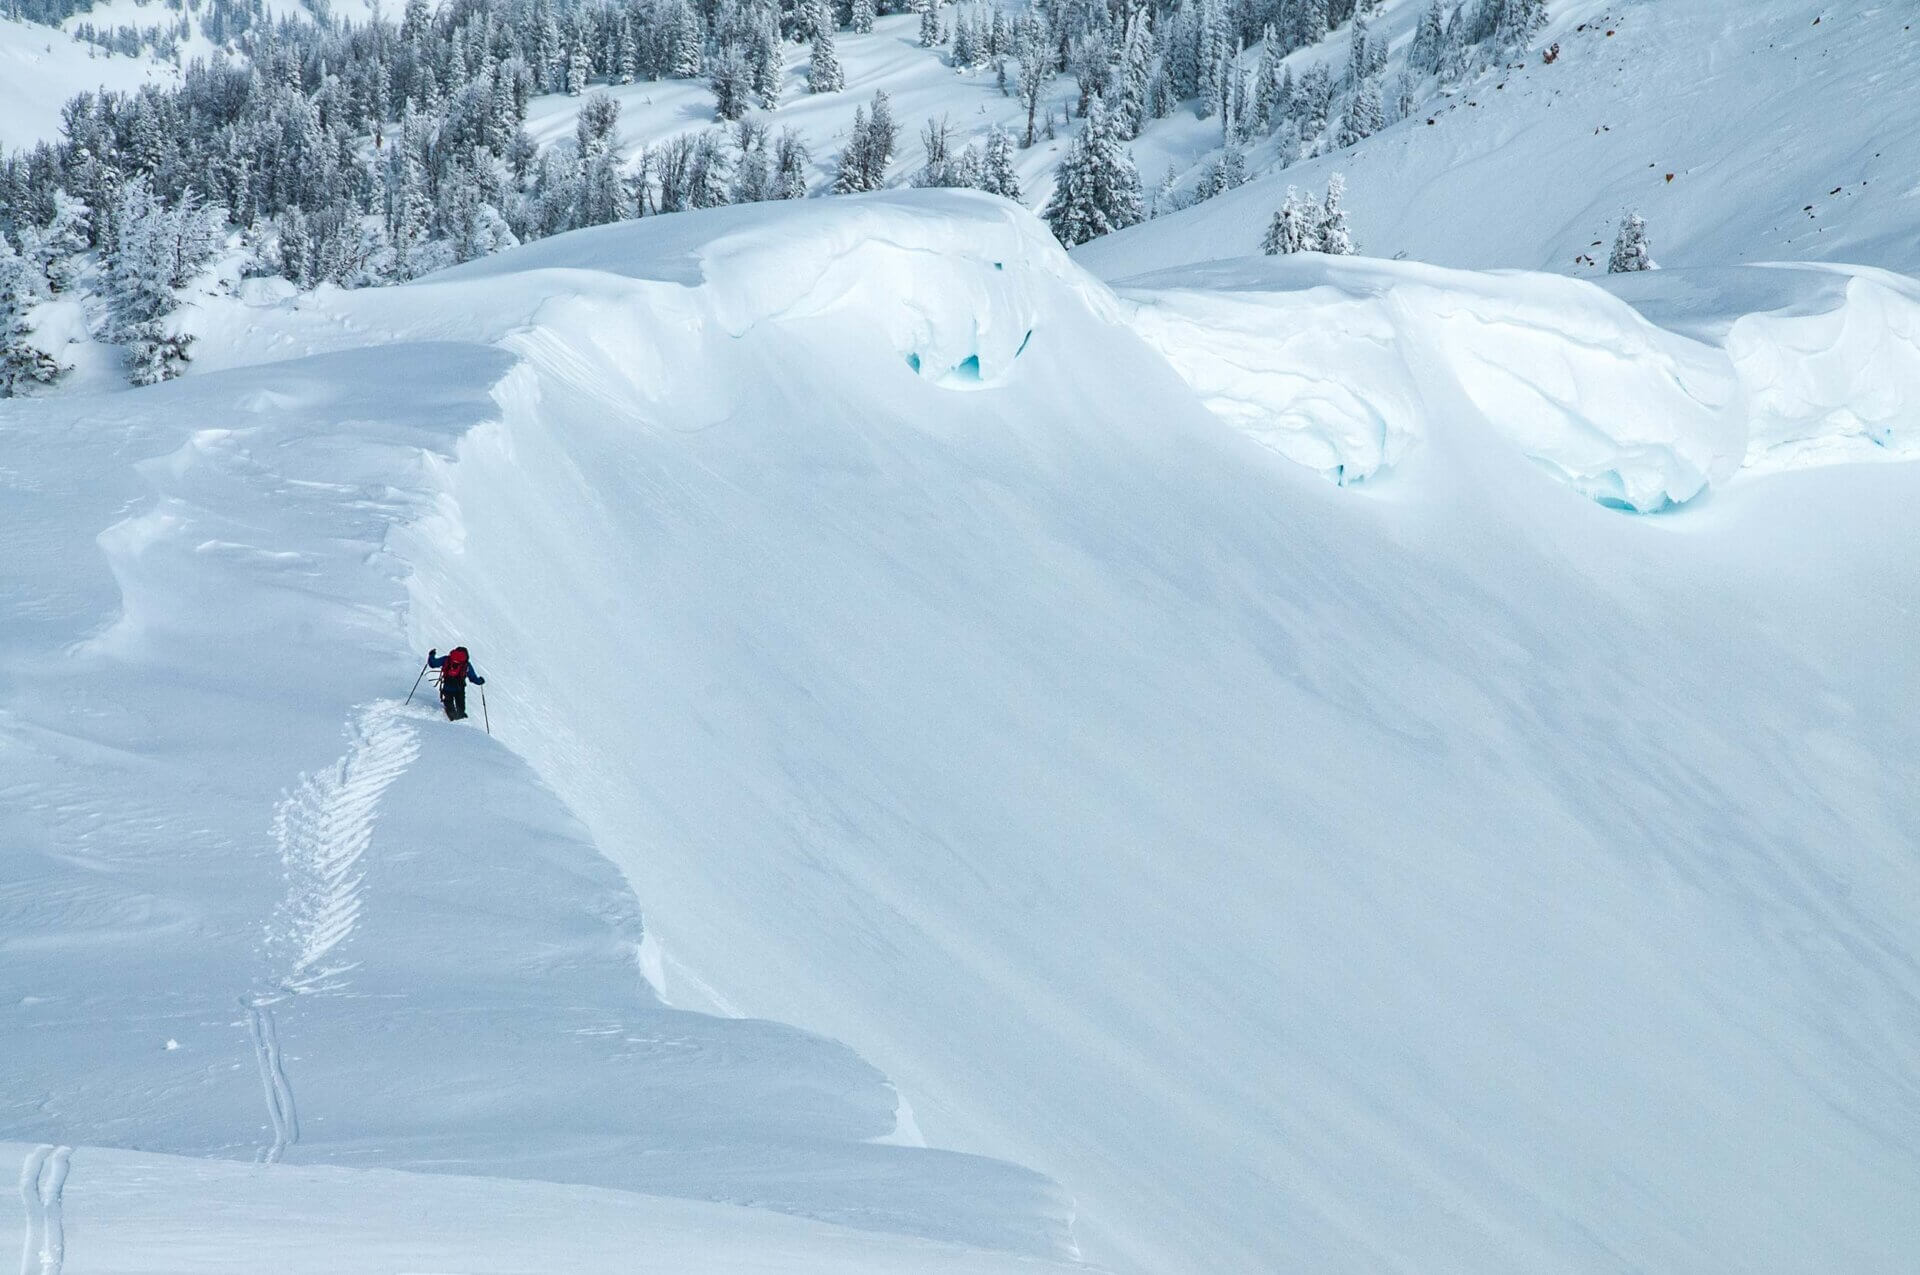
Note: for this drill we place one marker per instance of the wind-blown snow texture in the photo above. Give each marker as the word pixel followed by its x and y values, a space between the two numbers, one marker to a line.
pixel 1228 871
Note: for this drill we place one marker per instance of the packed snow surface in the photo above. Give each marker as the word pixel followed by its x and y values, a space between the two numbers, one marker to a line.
pixel 956 781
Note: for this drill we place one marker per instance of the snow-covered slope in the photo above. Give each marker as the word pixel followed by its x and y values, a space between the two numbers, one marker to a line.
pixel 919 83
pixel 106 1212
pixel 1224 869
pixel 1760 131
pixel 41 67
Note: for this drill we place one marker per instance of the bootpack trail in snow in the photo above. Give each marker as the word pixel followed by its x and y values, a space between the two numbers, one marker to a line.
pixel 322 828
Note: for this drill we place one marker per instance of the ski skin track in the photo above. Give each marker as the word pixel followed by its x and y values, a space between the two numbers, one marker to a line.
pixel 43 1183
pixel 282 1116
pixel 322 828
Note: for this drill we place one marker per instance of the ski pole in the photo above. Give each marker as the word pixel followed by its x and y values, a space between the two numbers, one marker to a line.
pixel 484 719
pixel 416 681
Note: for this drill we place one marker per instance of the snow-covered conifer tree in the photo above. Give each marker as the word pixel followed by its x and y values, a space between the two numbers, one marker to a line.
pixel 815 16
pixel 1166 198
pixel 626 53
pixel 1313 99
pixel 732 85
pixel 1133 75
pixel 997 175
pixel 1213 57
pixel 683 41
pixel 1227 171
pixel 966 48
pixel 767 62
pixel 157 251
pixel 1358 59
pixel 23 364
pixel 851 176
pixel 296 249
pixel 1516 22
pixel 752 178
pixel 674 161
pixel 790 166
pixel 936 141
pixel 603 193
pixel 881 136
pixel 1425 54
pixel 1294 228
pixel 709 184
pixel 1034 55
pixel 1631 251
pixel 1335 239
pixel 1366 114
pixel 1266 105
pixel 863 165
pixel 1401 103
pixel 1096 188
pixel 929 11
pixel 823 72
pixel 1310 23
pixel 863 12
pixel 49 250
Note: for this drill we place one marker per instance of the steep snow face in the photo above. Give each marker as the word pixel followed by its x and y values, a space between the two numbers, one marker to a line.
pixel 1219 869
pixel 1298 878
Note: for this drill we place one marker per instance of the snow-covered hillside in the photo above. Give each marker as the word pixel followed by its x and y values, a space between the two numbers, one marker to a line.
pixel 1763 131
pixel 42 66
pixel 959 773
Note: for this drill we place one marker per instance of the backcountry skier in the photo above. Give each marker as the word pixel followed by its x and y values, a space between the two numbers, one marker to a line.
pixel 456 670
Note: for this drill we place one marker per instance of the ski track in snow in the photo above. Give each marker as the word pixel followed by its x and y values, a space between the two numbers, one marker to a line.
pixel 323 828
pixel 43 1178
pixel 281 1112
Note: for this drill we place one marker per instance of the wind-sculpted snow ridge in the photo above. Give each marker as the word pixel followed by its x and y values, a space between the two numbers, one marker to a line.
pixel 1346 365
pixel 1297 879
pixel 170 740
pixel 1221 872
pixel 1827 356
pixel 953 282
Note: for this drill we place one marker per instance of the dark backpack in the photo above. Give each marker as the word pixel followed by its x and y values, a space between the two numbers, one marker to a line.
pixel 456 663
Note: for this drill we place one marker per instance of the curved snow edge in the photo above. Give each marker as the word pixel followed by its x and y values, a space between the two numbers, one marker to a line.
pixel 1640 394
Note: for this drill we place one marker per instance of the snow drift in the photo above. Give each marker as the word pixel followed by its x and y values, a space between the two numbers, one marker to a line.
pixel 1827 357
pixel 1216 870
pixel 1342 364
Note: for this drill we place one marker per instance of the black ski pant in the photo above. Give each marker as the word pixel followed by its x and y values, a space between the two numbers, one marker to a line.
pixel 453 697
